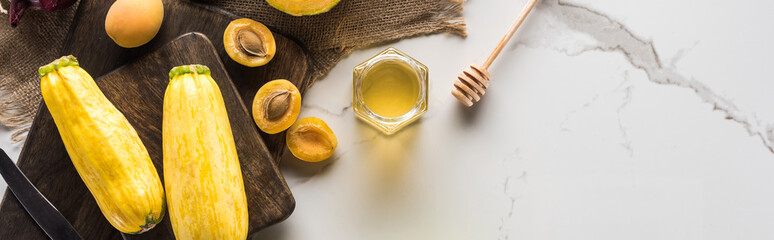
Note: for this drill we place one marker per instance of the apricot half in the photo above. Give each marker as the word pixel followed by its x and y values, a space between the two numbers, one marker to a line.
pixel 249 43
pixel 132 23
pixel 276 106
pixel 310 139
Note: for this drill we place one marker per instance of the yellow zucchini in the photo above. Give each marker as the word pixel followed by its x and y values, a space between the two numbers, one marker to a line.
pixel 104 147
pixel 205 191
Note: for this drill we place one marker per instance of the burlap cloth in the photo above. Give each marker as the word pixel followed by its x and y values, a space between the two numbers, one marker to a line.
pixel 352 23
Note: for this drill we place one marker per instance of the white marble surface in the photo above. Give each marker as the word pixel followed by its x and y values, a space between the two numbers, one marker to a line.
pixel 606 119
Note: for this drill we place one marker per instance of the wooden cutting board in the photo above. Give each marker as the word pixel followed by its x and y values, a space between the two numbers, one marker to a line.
pixel 99 55
pixel 137 90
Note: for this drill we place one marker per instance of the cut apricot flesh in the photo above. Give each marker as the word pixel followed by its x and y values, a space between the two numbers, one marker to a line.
pixel 310 139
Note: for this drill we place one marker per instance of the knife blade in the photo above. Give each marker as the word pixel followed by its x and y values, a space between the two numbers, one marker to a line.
pixel 46 215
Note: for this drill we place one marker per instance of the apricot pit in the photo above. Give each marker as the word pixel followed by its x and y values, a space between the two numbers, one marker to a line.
pixel 310 139
pixel 249 43
pixel 276 106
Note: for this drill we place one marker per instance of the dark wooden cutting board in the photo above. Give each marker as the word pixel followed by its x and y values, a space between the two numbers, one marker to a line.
pixel 99 55
pixel 137 90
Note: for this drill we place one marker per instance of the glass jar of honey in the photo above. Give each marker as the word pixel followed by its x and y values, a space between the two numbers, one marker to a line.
pixel 390 90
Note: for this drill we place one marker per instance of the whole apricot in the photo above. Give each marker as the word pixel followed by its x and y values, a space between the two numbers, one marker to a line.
pixel 276 106
pixel 310 139
pixel 132 23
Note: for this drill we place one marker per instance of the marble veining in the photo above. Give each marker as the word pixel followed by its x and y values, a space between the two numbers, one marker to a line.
pixel 627 98
pixel 514 175
pixel 624 89
pixel 613 36
pixel 339 114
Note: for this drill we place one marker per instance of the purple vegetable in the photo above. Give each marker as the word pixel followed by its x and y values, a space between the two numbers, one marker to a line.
pixel 18 7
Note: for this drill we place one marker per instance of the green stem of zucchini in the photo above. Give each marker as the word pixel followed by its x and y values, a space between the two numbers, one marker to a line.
pixel 65 61
pixel 188 69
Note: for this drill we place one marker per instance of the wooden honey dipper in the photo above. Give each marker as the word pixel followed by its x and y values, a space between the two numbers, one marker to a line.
pixel 472 83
